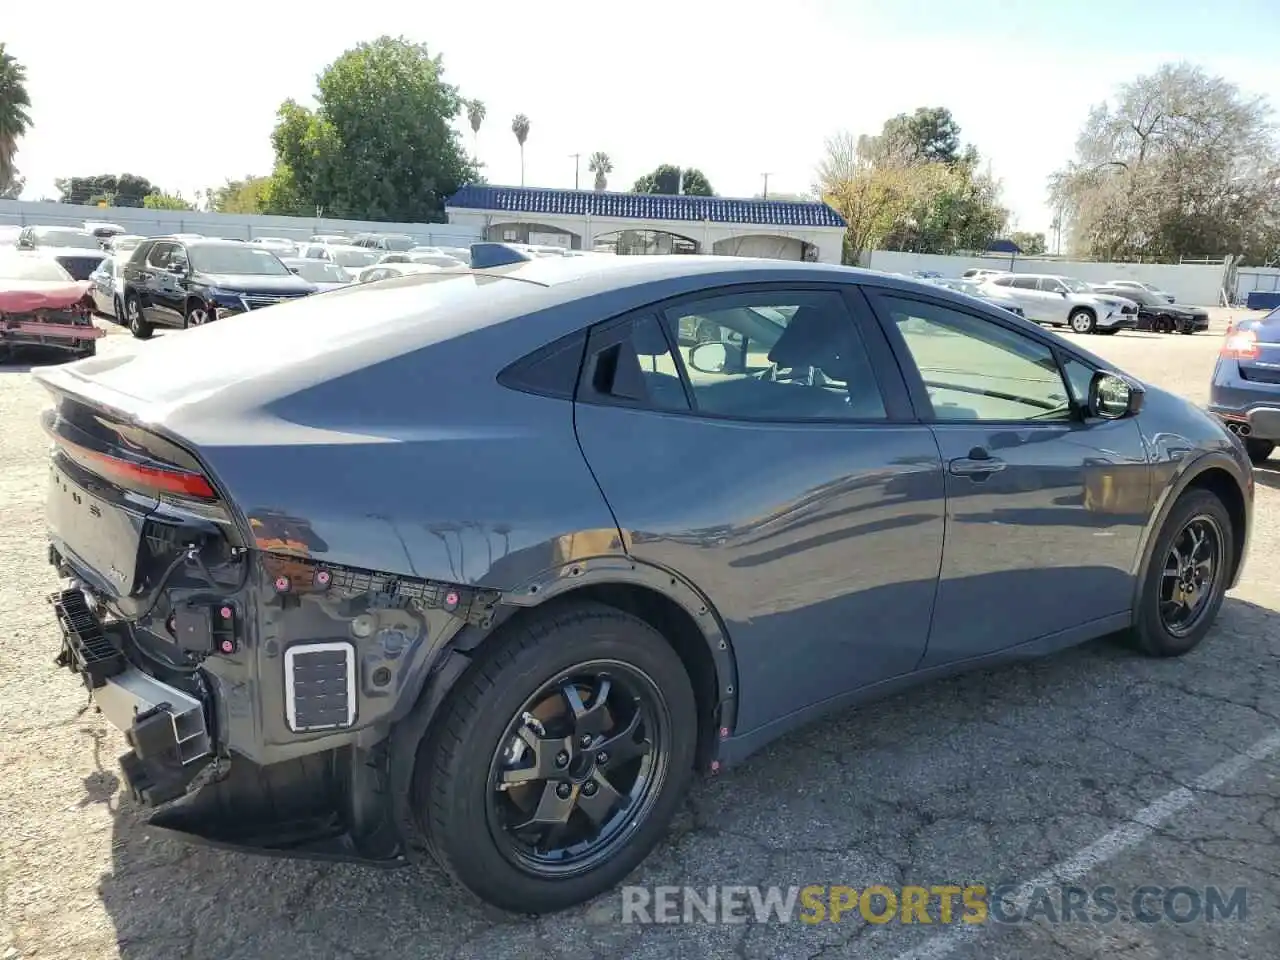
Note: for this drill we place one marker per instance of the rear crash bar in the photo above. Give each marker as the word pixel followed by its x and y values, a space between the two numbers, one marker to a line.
pixel 165 726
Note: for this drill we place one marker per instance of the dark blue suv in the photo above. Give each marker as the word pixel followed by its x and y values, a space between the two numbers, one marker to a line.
pixel 170 282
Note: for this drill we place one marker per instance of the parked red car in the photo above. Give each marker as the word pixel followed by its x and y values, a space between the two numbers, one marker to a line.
pixel 41 305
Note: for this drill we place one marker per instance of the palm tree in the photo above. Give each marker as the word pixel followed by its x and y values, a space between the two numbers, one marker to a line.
pixel 601 166
pixel 520 127
pixel 475 117
pixel 14 118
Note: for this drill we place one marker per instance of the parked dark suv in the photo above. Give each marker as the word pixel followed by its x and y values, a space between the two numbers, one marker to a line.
pixel 183 283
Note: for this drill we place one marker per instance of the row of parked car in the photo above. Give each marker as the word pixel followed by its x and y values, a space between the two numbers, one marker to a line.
pixel 68 274
pixel 1061 301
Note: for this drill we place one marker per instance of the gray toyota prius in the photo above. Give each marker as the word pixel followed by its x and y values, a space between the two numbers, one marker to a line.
pixel 485 564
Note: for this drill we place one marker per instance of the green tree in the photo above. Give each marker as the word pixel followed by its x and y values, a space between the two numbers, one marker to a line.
pixel 166 201
pixel 601 166
pixel 123 190
pixel 380 145
pixel 13 189
pixel 15 116
pixel 1031 244
pixel 929 135
pixel 520 127
pixel 667 179
pixel 239 196
pixel 475 111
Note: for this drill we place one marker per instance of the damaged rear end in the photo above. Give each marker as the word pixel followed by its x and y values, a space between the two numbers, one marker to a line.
pixel 255 686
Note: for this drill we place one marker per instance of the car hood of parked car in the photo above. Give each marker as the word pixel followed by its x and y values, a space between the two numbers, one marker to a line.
pixel 256 283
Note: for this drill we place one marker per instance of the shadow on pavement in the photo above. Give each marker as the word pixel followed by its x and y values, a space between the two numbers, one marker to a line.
pixel 990 775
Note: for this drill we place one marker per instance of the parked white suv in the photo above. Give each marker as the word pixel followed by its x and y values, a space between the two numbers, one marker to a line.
pixel 1066 302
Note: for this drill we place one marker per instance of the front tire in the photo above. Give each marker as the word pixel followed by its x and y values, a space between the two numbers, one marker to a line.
pixel 1082 320
pixel 197 315
pixel 559 759
pixel 1187 578
pixel 1259 450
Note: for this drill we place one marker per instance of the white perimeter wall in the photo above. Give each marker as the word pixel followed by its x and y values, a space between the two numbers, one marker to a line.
pixel 234 226
pixel 1193 283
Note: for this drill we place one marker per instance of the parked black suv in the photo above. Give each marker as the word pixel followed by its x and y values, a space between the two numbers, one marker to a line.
pixel 172 282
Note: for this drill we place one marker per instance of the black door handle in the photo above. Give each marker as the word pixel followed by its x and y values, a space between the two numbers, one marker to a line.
pixel 978 464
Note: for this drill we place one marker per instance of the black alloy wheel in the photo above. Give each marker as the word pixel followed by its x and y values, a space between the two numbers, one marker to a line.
pixel 1187 576
pixel 1191 570
pixel 558 759
pixel 581 764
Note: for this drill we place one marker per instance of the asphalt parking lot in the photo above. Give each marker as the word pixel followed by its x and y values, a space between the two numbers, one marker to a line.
pixel 1096 768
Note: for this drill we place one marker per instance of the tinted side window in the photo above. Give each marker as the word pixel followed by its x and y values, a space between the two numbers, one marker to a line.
pixel 630 362
pixel 1050 285
pixel 1023 283
pixel 1003 281
pixel 976 369
pixel 784 355
pixel 161 254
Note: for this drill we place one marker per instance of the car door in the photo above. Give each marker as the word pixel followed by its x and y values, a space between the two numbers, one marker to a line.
pixel 777 465
pixel 100 285
pixel 1045 505
pixel 166 293
pixel 1057 302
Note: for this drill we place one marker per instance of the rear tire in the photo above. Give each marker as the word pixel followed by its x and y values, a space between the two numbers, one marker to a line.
pixel 1156 630
pixel 133 314
pixel 1259 450
pixel 1082 320
pixel 480 738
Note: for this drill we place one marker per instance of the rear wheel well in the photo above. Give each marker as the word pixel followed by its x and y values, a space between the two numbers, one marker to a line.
pixel 1223 486
pixel 675 625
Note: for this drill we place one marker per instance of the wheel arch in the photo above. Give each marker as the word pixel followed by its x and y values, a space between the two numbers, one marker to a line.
pixel 664 600
pixel 1219 474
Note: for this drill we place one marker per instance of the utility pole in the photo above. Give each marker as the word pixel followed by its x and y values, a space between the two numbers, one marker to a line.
pixel 765 196
pixel 575 169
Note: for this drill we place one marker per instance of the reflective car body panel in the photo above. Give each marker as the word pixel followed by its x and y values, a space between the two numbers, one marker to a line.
pixel 374 428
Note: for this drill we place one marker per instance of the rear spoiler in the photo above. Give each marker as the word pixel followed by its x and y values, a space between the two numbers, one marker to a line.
pixel 65 381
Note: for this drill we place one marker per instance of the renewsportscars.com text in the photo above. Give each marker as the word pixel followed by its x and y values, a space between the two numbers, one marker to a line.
pixel 936 904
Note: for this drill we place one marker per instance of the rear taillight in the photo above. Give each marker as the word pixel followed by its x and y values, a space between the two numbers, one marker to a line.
pixel 153 478
pixel 1240 345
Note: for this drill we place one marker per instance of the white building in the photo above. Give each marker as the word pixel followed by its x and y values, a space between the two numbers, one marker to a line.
pixel 650 223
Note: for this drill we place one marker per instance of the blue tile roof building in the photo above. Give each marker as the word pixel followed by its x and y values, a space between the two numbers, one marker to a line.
pixel 644 206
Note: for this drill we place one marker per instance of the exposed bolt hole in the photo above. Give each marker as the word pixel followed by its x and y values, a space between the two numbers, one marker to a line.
pixel 534 588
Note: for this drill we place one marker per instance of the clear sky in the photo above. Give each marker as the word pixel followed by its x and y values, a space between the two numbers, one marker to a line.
pixel 186 95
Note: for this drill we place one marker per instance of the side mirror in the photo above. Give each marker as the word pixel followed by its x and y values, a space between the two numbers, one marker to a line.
pixel 1112 397
pixel 293 269
pixel 178 268
pixel 710 357
pixel 1062 293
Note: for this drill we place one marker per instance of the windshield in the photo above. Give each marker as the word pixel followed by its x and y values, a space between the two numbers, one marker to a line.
pixel 1137 294
pixel 355 257
pixel 32 268
pixel 319 271
pixel 239 259
pixel 66 238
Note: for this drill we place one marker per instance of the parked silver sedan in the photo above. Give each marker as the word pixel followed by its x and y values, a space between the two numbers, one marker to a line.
pixel 105 287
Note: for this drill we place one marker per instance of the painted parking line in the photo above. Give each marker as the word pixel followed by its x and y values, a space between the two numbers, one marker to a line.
pixel 1124 837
